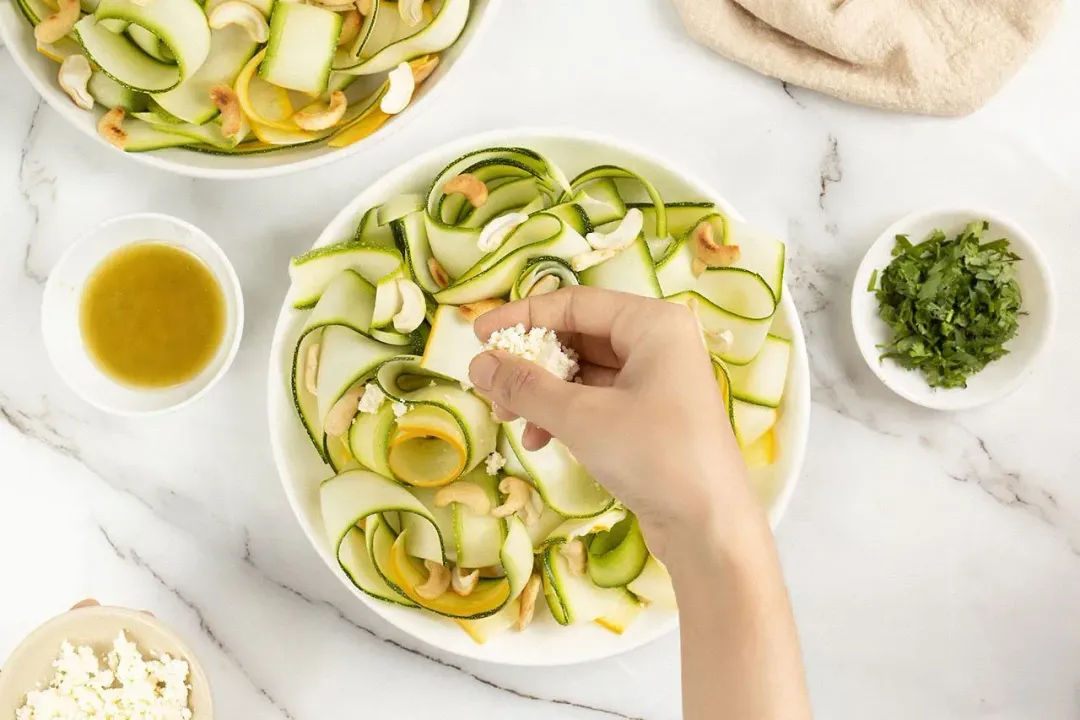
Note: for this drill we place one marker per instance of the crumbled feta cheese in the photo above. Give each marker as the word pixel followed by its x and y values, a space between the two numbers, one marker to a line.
pixel 466 385
pixel 400 409
pixel 372 399
pixel 130 687
pixel 494 463
pixel 539 345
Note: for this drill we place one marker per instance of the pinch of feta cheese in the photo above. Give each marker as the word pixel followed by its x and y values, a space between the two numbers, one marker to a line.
pixel 400 409
pixel 538 345
pixel 466 385
pixel 372 399
pixel 494 463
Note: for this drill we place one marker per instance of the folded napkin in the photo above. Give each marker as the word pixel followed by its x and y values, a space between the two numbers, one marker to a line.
pixel 938 57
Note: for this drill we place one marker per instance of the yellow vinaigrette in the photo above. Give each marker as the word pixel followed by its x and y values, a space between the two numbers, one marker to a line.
pixel 152 315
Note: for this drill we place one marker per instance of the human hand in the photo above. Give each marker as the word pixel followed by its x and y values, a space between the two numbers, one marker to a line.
pixel 647 421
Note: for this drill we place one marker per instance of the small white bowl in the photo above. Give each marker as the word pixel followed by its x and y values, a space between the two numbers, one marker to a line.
pixel 997 379
pixel 18 36
pixel 60 314
pixel 30 664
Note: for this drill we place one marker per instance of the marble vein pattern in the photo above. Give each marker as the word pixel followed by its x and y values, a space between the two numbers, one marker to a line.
pixel 933 559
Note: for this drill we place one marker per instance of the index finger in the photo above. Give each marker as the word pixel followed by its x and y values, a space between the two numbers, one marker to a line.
pixel 580 310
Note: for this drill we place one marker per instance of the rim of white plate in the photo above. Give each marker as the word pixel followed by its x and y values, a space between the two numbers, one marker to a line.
pixel 797 408
pixel 11 21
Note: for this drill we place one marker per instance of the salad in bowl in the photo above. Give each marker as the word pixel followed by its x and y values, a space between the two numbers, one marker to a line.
pixel 420 499
pixel 238 88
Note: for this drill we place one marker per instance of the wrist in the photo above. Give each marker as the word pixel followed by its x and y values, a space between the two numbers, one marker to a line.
pixel 730 527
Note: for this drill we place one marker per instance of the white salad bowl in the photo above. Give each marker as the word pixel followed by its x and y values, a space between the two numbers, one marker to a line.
pixel 60 314
pixel 999 378
pixel 18 36
pixel 301 470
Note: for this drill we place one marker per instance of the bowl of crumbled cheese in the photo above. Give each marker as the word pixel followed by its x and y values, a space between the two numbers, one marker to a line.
pixel 104 662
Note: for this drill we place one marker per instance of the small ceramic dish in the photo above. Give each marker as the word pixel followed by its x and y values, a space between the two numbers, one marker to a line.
pixel 30 665
pixel 60 314
pixel 999 378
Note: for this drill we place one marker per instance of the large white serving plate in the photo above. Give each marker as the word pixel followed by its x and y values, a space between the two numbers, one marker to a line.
pixel 18 37
pixel 301 470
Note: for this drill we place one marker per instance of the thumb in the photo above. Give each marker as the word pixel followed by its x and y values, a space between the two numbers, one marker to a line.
pixel 526 389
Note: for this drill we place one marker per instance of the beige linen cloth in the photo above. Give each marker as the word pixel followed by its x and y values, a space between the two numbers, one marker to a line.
pixel 938 57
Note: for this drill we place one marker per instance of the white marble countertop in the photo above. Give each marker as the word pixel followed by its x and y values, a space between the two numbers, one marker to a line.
pixel 933 559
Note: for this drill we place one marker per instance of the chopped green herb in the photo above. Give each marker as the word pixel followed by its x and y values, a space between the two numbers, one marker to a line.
pixel 873 281
pixel 952 304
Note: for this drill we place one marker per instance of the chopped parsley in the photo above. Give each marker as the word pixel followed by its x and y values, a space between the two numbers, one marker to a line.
pixel 952 304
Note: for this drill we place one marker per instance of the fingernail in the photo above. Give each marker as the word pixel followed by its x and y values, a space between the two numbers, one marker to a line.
pixel 482 371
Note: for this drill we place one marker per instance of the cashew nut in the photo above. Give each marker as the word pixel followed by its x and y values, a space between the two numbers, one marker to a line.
pixel 471 311
pixel 351 20
pixel 622 236
pixel 340 417
pixel 413 307
pixel 422 68
pixel 574 552
pixel 236 12
pixel 518 493
pixel 495 232
pixel 364 6
pixel 74 75
pixel 387 299
pixel 466 493
pixel 719 341
pixel 463 584
pixel 411 11
pixel 232 117
pixel 311 368
pixel 472 187
pixel 528 602
pixel 59 24
pixel 400 92
pixel 545 285
pixel 333 6
pixel 438 272
pixel 316 117
pixel 437 582
pixel 111 127
pixel 532 511
pixel 586 260
pixel 708 252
